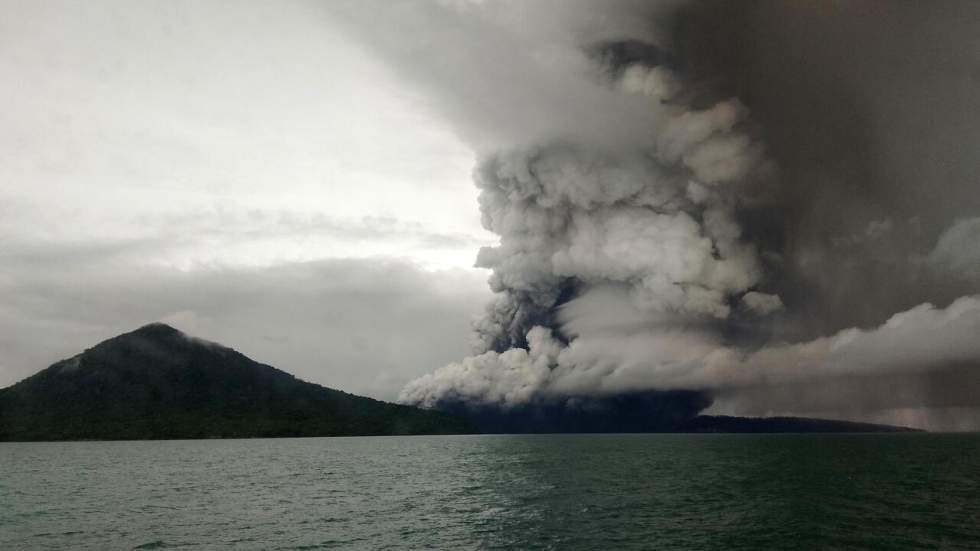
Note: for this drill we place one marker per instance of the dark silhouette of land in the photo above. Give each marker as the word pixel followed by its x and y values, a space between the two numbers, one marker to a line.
pixel 158 383
pixel 724 423
pixel 642 411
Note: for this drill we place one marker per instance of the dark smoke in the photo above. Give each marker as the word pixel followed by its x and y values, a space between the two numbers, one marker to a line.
pixel 869 108
pixel 771 202
pixel 615 56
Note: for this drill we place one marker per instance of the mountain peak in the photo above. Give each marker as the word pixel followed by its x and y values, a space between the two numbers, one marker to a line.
pixel 155 329
pixel 157 382
pixel 151 344
pixel 159 337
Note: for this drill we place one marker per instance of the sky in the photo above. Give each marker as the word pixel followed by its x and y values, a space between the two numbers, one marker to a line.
pixel 508 204
pixel 240 170
pixel 772 202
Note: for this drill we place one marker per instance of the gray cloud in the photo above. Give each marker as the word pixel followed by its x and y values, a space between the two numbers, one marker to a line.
pixel 197 162
pixel 509 73
pixel 648 239
pixel 759 199
pixel 869 110
pixel 957 250
pixel 364 326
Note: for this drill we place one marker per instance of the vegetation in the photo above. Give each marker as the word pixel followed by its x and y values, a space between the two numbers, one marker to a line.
pixel 157 383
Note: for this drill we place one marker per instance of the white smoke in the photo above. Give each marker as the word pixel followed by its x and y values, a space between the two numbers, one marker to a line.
pixel 617 189
pixel 649 212
pixel 618 349
pixel 958 249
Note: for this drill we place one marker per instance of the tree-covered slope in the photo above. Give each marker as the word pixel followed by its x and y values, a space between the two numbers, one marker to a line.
pixel 156 382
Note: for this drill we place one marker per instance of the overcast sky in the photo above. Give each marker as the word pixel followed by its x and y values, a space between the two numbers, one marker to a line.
pixel 778 196
pixel 240 170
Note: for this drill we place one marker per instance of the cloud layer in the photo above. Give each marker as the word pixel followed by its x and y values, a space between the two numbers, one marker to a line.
pixel 682 207
pixel 350 324
pixel 772 202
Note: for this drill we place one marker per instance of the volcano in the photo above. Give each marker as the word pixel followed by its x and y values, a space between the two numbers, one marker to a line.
pixel 158 383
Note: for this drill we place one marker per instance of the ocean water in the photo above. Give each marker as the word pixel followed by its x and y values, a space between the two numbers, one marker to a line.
pixel 671 491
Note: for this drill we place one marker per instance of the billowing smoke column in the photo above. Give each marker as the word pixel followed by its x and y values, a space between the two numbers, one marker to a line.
pixel 656 254
pixel 650 229
pixel 659 222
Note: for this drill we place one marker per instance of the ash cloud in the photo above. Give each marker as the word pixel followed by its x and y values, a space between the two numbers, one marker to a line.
pixel 727 199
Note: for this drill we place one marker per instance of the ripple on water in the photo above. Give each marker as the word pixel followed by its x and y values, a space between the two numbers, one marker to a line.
pixel 497 492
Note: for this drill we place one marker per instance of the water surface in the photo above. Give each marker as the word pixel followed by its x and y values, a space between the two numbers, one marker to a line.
pixel 673 491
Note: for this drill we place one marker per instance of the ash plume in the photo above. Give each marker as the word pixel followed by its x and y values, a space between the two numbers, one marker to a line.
pixel 687 208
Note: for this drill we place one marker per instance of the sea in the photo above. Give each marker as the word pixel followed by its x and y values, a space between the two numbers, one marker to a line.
pixel 563 492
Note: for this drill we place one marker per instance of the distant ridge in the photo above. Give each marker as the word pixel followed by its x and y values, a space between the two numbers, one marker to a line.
pixel 641 412
pixel 158 383
pixel 725 423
